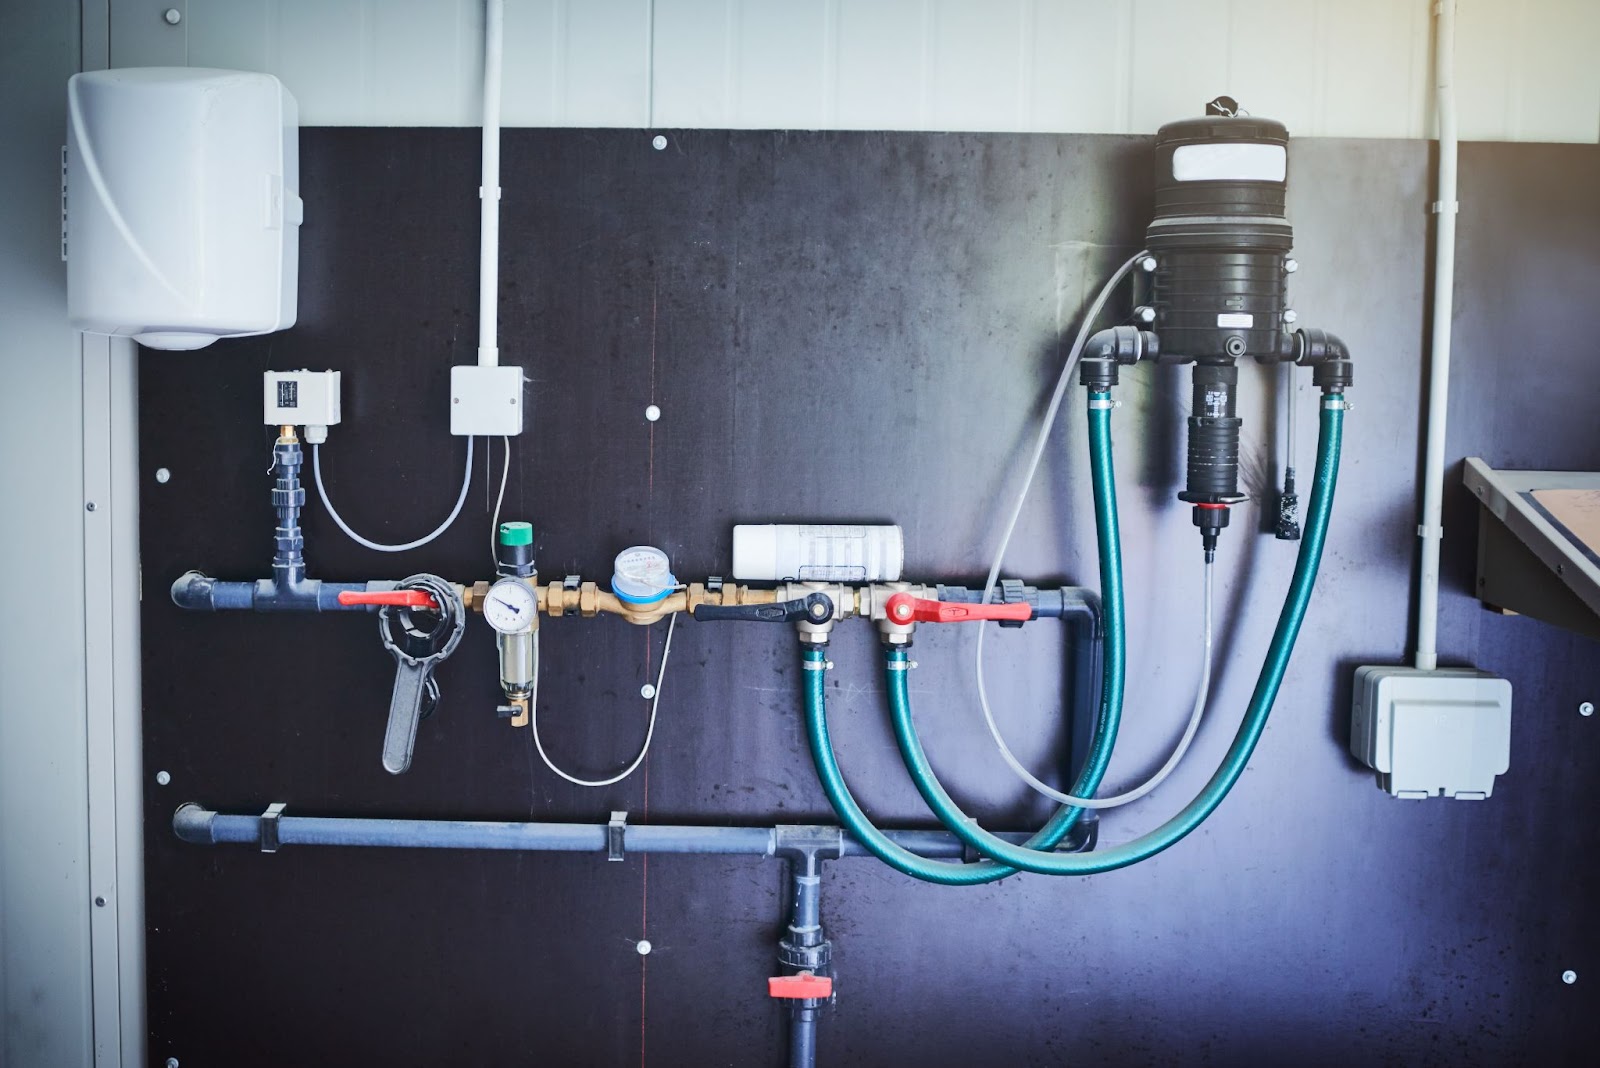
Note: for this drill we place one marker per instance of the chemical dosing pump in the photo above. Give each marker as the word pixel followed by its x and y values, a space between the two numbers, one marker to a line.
pixel 1219 249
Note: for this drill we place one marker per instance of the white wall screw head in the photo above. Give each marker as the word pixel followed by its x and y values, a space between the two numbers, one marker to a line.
pixel 643 946
pixel 172 16
pixel 1290 266
pixel 163 476
pixel 162 778
pixel 652 413
pixel 647 691
pixel 1569 977
pixel 658 143
pixel 1586 709
pixel 1147 264
pixel 1291 316
pixel 172 1062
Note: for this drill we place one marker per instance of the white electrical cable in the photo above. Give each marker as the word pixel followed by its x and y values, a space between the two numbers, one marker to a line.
pixel 489 188
pixel 650 731
pixel 322 492
pixel 494 524
pixel 1046 425
pixel 1431 530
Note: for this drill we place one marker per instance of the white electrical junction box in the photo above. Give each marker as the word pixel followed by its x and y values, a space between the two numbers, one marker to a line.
pixel 1445 732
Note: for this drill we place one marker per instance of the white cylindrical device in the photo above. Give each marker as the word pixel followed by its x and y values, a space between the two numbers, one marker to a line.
pixel 183 206
pixel 817 553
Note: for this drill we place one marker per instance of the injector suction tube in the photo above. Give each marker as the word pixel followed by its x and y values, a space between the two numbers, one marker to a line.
pixel 1238 755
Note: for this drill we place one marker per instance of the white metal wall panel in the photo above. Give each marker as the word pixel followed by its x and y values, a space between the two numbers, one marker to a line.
pixel 692 64
pixel 1357 68
pixel 1081 67
pixel 780 61
pixel 880 63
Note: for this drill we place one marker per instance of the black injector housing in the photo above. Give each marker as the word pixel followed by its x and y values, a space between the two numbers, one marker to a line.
pixel 1221 241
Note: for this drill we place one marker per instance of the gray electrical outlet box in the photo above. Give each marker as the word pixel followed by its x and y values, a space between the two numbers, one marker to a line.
pixel 1445 732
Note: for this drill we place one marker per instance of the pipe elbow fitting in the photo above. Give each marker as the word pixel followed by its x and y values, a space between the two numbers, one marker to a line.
pixel 192 824
pixel 1328 357
pixel 195 592
pixel 1108 348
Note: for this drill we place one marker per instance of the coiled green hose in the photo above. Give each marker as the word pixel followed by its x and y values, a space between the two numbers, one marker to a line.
pixel 1233 764
pixel 814 660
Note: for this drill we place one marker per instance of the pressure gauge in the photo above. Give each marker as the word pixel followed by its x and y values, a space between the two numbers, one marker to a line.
pixel 510 606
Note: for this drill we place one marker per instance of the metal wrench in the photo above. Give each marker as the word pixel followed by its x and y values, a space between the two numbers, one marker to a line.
pixel 417 650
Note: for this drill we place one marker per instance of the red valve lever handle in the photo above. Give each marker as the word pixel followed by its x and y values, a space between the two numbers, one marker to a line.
pixel 403 598
pixel 904 608
pixel 803 985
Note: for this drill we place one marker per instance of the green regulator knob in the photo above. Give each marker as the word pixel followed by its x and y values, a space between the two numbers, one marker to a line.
pixel 516 549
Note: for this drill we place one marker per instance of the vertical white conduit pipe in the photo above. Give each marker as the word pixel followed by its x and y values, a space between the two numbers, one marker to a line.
pixel 489 190
pixel 1444 272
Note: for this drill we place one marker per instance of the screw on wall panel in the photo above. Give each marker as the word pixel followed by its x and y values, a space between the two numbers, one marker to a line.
pixel 1147 264
pixel 89 507
pixel 1586 709
pixel 162 778
pixel 99 902
pixel 643 946
pixel 659 142
pixel 1290 266
pixel 172 1062
pixel 1569 977
pixel 172 16
pixel 647 691
pixel 163 476
pixel 652 413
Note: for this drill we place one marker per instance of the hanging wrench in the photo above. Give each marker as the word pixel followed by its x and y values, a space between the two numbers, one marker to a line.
pixel 419 638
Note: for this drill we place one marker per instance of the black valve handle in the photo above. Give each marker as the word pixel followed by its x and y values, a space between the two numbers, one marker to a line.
pixel 813 608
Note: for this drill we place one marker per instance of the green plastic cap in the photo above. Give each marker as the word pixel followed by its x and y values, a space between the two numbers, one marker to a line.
pixel 516 533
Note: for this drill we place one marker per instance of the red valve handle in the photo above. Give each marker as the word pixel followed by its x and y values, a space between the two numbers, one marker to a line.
pixel 803 985
pixel 904 608
pixel 402 598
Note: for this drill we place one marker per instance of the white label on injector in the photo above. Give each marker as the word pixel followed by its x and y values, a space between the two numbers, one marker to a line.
pixel 1236 319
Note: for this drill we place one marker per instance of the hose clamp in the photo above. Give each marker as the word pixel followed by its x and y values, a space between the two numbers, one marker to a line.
pixel 1102 405
pixel 1334 403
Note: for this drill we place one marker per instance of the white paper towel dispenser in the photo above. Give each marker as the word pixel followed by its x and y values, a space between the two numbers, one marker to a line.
pixel 182 204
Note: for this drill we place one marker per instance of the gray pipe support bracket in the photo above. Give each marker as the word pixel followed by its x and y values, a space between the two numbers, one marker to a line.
pixel 616 832
pixel 269 826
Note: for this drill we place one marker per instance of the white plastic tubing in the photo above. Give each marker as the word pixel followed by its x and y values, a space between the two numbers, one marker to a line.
pixel 489 190
pixel 1431 530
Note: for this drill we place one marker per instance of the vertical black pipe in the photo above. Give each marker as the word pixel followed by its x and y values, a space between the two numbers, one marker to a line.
pixel 288 497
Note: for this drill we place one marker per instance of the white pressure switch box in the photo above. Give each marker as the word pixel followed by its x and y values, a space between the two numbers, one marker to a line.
pixel 301 398
pixel 485 401
pixel 1445 732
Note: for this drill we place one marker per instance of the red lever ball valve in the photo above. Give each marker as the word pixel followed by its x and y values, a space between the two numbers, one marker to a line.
pixel 802 985
pixel 904 608
pixel 401 598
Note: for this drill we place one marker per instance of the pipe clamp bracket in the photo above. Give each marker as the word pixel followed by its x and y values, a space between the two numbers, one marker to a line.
pixel 269 827
pixel 616 830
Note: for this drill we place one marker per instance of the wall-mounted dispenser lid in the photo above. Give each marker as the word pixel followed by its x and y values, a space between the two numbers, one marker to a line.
pixel 183 207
